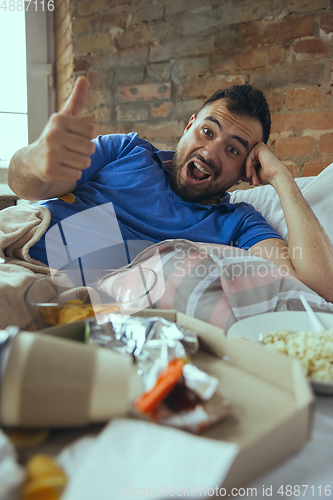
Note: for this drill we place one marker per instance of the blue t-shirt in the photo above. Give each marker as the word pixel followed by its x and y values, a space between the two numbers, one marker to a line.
pixel 128 187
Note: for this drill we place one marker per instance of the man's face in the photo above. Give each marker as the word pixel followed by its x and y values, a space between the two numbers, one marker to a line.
pixel 210 156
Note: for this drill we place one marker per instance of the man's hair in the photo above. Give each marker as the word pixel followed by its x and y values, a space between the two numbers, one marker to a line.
pixel 243 100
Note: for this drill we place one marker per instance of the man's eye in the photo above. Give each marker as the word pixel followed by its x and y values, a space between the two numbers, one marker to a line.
pixel 233 150
pixel 207 131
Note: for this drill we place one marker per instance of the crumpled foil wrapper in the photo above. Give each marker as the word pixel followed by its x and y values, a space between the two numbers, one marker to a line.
pixel 193 403
pixel 133 332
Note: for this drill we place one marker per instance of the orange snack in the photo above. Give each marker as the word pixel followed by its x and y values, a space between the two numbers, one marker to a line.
pixel 45 479
pixel 74 310
pixel 74 313
pixel 166 381
pixel 50 315
pixel 46 494
pixel 67 198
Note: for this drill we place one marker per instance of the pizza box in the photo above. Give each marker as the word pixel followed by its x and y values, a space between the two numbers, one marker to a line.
pixel 270 396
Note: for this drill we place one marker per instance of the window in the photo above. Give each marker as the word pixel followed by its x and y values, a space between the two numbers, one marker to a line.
pixel 26 83
pixel 13 84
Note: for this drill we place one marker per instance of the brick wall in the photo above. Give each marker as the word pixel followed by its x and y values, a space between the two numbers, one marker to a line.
pixel 152 63
pixel 64 56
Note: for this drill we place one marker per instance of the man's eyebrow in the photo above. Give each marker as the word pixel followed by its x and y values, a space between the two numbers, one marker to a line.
pixel 244 142
pixel 214 120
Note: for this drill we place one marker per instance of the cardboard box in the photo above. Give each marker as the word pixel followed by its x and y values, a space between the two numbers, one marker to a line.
pixel 270 395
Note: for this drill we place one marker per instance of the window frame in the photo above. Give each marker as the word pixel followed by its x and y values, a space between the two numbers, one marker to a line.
pixel 40 70
pixel 40 43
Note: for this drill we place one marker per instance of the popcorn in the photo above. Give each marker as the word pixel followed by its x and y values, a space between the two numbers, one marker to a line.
pixel 314 350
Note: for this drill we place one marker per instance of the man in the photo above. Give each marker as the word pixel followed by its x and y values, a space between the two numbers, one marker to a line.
pixel 160 195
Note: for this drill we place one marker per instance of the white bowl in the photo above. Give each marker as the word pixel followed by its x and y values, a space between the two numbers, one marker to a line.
pixel 254 327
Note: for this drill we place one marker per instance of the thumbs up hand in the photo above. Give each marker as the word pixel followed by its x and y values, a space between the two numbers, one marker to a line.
pixel 64 148
pixel 52 165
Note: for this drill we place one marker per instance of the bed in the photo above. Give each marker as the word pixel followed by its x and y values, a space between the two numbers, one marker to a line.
pixel 196 275
pixel 212 295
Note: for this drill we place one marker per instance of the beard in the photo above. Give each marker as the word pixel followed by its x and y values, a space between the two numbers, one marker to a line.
pixel 185 191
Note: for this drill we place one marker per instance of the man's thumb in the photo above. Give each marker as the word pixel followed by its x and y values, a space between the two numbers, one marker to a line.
pixel 77 98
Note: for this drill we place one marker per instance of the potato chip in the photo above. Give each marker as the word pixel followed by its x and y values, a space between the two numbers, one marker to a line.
pixel 50 315
pixel 74 310
pixel 27 438
pixel 42 465
pixel 73 313
pixel 47 494
pixel 67 198
pixel 56 484
pixel 105 309
pixel 45 478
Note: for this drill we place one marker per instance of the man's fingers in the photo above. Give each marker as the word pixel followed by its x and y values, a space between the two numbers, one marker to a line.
pixel 68 173
pixel 64 149
pixel 255 179
pixel 250 165
pixel 58 171
pixel 69 134
pixel 250 176
pixel 78 144
pixel 74 160
pixel 60 124
pixel 77 98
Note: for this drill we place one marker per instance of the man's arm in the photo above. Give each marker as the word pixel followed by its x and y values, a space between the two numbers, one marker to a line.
pixel 308 255
pixel 53 164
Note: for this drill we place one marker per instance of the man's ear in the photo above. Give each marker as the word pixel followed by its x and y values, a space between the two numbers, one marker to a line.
pixel 190 123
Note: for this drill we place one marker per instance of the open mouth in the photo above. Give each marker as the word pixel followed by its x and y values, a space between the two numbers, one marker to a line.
pixel 196 173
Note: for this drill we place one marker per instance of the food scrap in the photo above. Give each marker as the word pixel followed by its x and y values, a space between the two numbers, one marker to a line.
pixel 175 392
pixel 72 311
pixel 68 198
pixel 149 401
pixel 46 480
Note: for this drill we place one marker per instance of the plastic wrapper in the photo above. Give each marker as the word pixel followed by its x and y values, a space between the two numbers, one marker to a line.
pixel 175 392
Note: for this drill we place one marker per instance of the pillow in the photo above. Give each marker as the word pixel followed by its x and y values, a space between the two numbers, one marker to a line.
pixel 316 190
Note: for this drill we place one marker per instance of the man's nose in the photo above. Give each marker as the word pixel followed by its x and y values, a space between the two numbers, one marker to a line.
pixel 212 153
